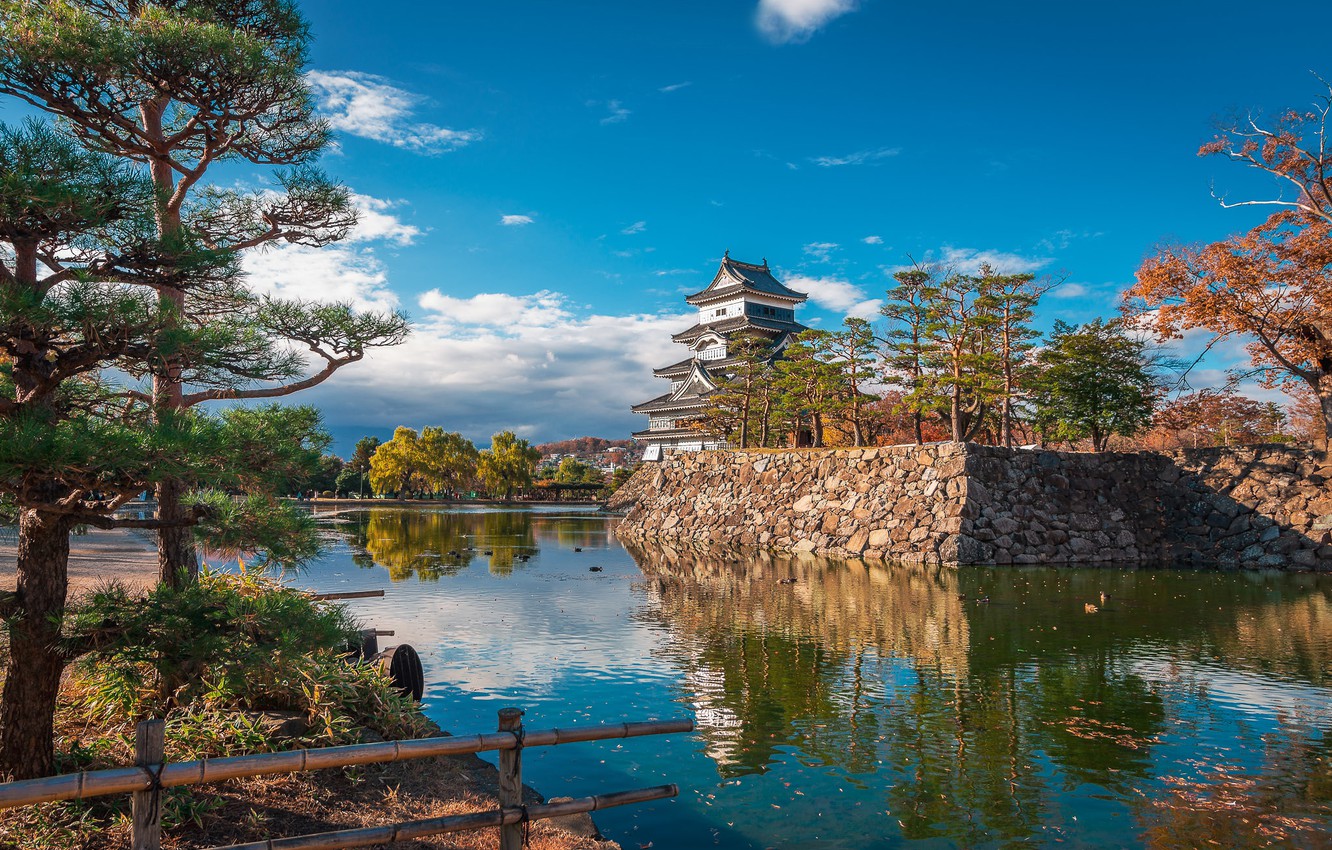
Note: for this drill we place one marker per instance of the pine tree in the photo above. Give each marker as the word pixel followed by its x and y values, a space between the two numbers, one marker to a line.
pixel 852 350
pixel 811 387
pixel 959 352
pixel 74 444
pixel 180 88
pixel 735 408
pixel 1013 299
pixel 904 341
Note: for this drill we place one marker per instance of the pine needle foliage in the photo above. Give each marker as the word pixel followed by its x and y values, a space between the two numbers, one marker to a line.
pixel 242 642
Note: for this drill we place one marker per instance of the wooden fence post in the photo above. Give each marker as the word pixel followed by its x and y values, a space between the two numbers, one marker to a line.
pixel 146 806
pixel 511 777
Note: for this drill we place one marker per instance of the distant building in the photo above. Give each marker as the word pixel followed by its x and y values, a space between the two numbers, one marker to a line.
pixel 743 298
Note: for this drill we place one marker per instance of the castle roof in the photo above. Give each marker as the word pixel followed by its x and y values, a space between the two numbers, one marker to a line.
pixel 689 395
pixel 740 324
pixel 679 370
pixel 734 278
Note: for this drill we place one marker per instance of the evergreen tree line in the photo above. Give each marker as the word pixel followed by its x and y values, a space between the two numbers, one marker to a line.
pixel 956 357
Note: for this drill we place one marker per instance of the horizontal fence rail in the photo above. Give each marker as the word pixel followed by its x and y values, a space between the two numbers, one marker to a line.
pixel 126 780
pixel 409 830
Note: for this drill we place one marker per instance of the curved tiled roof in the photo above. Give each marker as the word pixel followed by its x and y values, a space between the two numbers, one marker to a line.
pixel 739 323
pixel 682 368
pixel 734 277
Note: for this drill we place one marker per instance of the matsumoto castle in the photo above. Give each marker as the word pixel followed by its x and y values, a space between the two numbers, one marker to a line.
pixel 742 298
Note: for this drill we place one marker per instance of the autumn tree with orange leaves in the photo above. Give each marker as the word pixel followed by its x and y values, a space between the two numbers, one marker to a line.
pixel 1272 285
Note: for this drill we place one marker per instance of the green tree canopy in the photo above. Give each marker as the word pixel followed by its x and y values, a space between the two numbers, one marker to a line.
pixel 574 471
pixel 434 461
pixel 809 385
pixel 1095 381
pixel 508 464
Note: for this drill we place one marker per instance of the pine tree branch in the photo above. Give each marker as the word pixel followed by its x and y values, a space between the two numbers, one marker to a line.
pixel 231 394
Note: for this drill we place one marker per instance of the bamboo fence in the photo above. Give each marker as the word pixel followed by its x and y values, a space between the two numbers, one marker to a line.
pixel 151 774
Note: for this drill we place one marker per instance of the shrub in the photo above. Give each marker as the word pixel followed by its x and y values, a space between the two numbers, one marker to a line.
pixel 231 643
pixel 243 642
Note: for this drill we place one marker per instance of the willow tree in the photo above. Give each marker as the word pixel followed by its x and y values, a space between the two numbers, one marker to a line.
pixel 395 465
pixel 447 461
pixel 509 464
pixel 179 87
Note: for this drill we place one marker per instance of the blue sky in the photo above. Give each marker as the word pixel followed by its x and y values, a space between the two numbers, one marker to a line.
pixel 543 182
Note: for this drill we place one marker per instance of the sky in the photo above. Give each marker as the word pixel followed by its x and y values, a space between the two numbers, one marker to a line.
pixel 542 183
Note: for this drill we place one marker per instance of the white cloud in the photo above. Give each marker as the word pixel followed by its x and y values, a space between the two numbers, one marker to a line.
pixel 820 251
pixel 495 309
pixel 371 107
pixel 1070 290
pixel 515 220
pixel 784 21
pixel 490 361
pixel 636 227
pixel 675 87
pixel 968 260
pixel 835 294
pixel 374 223
pixel 617 111
pixel 873 240
pixel 346 271
pixel 857 158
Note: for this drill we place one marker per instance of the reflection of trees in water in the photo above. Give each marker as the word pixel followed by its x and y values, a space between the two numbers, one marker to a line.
pixel 431 544
pixel 965 704
pixel 779 665
pixel 573 530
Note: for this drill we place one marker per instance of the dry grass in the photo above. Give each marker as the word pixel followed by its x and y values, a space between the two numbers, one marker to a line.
pixel 265 807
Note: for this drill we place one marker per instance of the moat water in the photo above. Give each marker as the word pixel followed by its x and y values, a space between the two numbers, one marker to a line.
pixel 865 706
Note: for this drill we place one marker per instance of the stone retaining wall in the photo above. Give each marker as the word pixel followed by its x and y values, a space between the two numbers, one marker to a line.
pixel 1267 506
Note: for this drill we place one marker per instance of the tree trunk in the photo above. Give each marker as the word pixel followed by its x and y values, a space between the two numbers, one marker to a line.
pixel 1324 391
pixel 27 707
pixel 177 565
pixel 175 549
pixel 955 413
pixel 744 419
